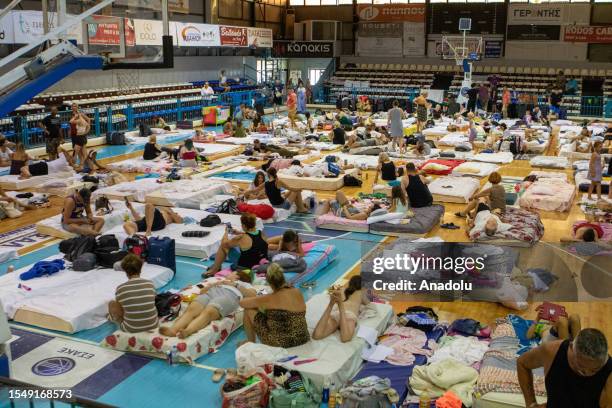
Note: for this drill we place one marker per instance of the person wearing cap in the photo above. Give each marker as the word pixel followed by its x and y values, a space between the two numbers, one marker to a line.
pixel 77 216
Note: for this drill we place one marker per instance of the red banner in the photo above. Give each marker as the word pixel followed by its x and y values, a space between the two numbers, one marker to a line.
pixel 108 33
pixel 233 36
pixel 588 34
pixel 391 12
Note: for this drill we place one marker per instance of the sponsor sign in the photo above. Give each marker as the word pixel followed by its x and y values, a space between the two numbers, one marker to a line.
pixel 391 12
pixel 588 34
pixel 259 37
pixel 148 32
pixel 533 33
pixel 109 33
pixel 540 14
pixel 303 49
pixel 414 39
pixel 7 35
pixel 374 46
pixel 493 49
pixel 233 36
pixel 197 35
pixel 380 30
pixel 175 6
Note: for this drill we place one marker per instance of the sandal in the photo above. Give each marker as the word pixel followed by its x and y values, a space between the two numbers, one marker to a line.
pixel 218 375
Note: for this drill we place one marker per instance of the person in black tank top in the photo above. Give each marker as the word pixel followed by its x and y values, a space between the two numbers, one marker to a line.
pixel 277 198
pixel 577 372
pixel 251 243
pixel 386 168
pixel 416 189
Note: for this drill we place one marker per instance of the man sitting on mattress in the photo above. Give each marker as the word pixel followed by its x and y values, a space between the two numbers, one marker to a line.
pixel 486 221
pixel 73 219
pixel 577 372
pixel 155 219
pixel 134 306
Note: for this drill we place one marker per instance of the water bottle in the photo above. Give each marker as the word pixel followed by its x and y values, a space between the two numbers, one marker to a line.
pixel 325 393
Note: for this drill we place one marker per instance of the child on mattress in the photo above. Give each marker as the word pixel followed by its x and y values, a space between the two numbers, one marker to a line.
pixel 342 207
pixel 73 219
pixel 278 319
pixel 134 306
pixel 215 301
pixel 495 198
pixel 342 312
pixel 399 202
pixel 155 219
pixel 485 221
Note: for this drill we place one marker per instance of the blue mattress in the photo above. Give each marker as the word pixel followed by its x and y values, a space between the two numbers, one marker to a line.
pixel 236 175
pixel 317 259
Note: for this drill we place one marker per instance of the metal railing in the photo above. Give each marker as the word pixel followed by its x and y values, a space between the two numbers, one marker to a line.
pixel 8 384
pixel 125 117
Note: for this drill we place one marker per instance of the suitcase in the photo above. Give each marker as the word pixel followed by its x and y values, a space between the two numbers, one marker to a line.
pixel 162 252
pixel 115 138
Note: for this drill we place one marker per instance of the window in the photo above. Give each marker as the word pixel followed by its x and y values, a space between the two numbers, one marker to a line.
pixel 314 74
pixel 270 69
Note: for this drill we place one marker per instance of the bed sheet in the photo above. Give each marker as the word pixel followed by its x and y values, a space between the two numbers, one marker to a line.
pixel 163 136
pixel 263 137
pixel 139 165
pixel 453 189
pixel 330 221
pixel 451 164
pixel 187 193
pixel 499 157
pixel 7 254
pixel 133 190
pixel 550 161
pixel 336 361
pixel 52 226
pixel 454 139
pixel 317 183
pixel 78 298
pixel 475 169
pixel 548 195
pixel 527 228
pixel 212 149
pixel 424 220
pixel 437 131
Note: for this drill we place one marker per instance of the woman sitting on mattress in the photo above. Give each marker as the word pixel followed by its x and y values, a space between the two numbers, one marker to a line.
pixel 73 219
pixel 279 199
pixel 249 194
pixel 342 312
pixel 155 219
pixel 251 243
pixel 399 202
pixel 214 302
pixel 416 188
pixel 160 123
pixel 495 198
pixel 278 319
pixel 134 306
pixel 188 154
pixel 342 207
pixel 338 134
pixel 152 150
pixel 386 169
pixel 421 148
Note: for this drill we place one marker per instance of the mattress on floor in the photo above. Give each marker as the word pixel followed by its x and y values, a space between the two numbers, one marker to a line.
pixel 332 222
pixel 453 139
pixel 475 169
pixel 499 157
pixel 411 154
pixel 241 174
pixel 194 247
pixel 451 189
pixel 548 194
pixel 527 229
pixel 447 166
pixel 582 181
pixel 281 214
pixel 205 341
pixel 317 183
pixel 435 132
pixel 357 160
pixel 424 220
pixel 13 182
pixel 133 136
pixel 6 254
pixel 139 165
pixel 262 137
pixel 549 175
pixel 554 162
pixel 187 193
pixel 135 190
pixel 69 301
pixel 536 146
pixel 317 258
pixel 52 226
pixel 325 146
pixel 336 361
pixel 62 187
pixel 212 150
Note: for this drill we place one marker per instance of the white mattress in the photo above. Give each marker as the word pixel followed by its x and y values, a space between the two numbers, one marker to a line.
pixel 13 182
pixel 358 160
pixel 189 193
pixel 484 169
pixel 139 165
pixel 194 247
pixel 537 147
pixel 454 139
pixel 549 161
pixel 214 148
pixel 79 298
pixel 133 137
pixel 337 361
pixel 280 214
pixel 548 194
pixel 134 190
pixel 53 225
pixel 549 174
pixel 6 254
pixel 263 137
pixel 499 157
pixel 453 189
pixel 438 131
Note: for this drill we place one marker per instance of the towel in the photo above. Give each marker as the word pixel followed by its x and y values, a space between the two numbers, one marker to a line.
pixel 42 268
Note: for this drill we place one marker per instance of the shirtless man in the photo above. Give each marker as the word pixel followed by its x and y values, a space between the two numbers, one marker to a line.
pixel 155 219
pixel 577 373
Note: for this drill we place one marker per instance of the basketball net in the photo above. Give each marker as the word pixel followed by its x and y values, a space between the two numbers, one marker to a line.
pixel 127 82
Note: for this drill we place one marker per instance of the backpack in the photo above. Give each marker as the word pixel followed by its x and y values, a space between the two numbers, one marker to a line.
pixel 79 246
pixel 84 262
pixel 263 211
pixel 351 181
pixel 333 168
pixel 210 220
pixel 296 392
pixel 115 138
pixel 253 395
pixel 107 241
pixel 168 304
pixel 228 207
pixel 144 130
pixel 361 394
pixel 137 244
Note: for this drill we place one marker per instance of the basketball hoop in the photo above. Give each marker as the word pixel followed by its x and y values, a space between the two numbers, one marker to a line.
pixel 127 82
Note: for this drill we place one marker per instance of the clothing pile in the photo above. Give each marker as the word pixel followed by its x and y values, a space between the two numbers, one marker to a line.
pixel 445 375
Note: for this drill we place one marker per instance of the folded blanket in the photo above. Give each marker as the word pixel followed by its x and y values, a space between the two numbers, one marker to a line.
pixel 442 376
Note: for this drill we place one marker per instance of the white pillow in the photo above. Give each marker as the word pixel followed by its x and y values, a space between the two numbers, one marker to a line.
pixel 435 167
pixel 542 190
pixel 385 217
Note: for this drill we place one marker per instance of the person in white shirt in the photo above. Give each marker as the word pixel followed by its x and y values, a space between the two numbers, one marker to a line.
pixel 207 93
pixel 485 221
pixel 222 78
pixel 215 301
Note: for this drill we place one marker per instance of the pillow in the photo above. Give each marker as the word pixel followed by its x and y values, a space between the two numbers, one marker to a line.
pixel 435 167
pixel 467 169
pixel 380 211
pixel 384 217
pixel 541 190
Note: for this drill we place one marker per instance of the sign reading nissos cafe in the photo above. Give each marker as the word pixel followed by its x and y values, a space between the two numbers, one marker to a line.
pixel 303 49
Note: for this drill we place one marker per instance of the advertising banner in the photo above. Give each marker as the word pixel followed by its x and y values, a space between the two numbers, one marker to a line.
pixel 197 35
pixel 588 34
pixel 540 14
pixel 109 33
pixel 259 37
pixel 7 36
pixel 534 33
pixel 148 32
pixel 414 39
pixel 380 30
pixel 24 27
pixel 391 12
pixel 374 46
pixel 233 36
pixel 303 49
